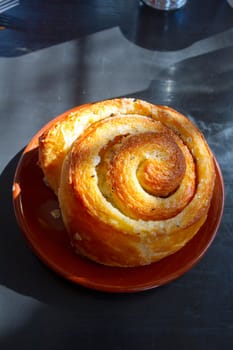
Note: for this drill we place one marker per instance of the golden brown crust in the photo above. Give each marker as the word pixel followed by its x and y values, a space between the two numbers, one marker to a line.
pixel 134 180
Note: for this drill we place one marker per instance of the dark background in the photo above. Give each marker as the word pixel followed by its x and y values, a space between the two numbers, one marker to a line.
pixel 58 54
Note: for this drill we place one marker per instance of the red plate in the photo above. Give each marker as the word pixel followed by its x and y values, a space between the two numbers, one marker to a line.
pixel 36 208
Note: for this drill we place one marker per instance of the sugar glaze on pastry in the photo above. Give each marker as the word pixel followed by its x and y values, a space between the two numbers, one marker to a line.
pixel 134 180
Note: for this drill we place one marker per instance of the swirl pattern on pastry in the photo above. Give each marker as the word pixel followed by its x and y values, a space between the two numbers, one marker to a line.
pixel 134 180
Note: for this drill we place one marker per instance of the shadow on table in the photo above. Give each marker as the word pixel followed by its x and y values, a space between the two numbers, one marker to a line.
pixel 36 25
pixel 17 262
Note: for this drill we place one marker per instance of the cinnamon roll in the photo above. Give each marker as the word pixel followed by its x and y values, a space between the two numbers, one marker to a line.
pixel 134 180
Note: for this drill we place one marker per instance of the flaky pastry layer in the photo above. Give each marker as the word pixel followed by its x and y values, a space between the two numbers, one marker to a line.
pixel 134 180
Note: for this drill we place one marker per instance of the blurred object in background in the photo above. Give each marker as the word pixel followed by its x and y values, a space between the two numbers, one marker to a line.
pixel 230 2
pixel 179 29
pixel 7 5
pixel 6 19
pixel 165 4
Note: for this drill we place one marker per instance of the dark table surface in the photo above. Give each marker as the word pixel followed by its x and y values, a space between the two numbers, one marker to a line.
pixel 57 54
